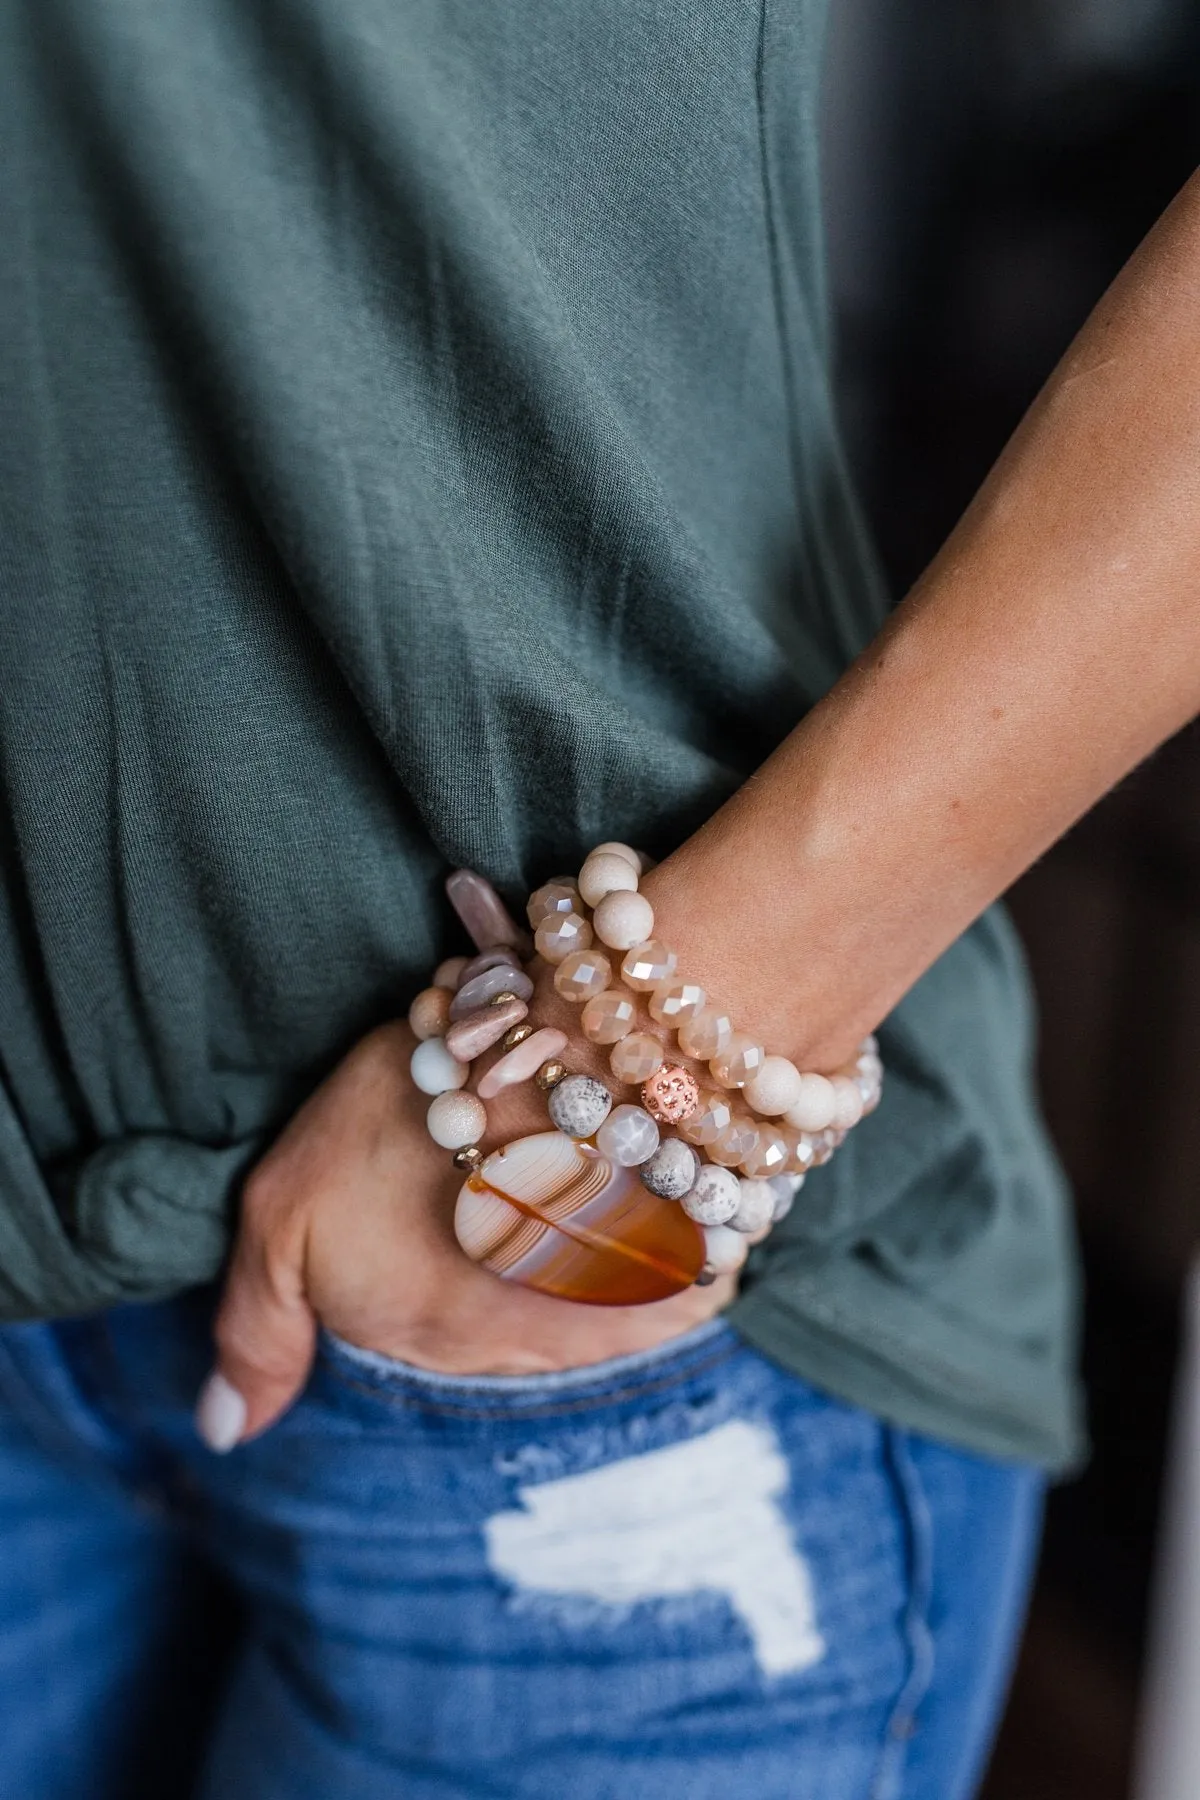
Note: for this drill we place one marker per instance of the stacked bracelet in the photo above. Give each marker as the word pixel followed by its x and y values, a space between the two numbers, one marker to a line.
pixel 538 1210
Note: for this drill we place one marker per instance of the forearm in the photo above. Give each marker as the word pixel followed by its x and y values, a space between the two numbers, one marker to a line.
pixel 1051 646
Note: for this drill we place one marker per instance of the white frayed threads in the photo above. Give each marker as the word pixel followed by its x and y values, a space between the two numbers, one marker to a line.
pixel 694 1518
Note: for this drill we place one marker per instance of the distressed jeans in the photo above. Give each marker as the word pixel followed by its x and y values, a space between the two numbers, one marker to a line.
pixel 683 1575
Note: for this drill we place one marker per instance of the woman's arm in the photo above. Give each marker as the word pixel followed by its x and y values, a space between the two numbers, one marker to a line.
pixel 1053 644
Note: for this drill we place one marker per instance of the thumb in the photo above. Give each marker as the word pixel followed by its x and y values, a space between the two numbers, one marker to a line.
pixel 266 1339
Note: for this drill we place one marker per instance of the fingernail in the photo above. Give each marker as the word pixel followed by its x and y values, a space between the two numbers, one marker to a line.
pixel 220 1413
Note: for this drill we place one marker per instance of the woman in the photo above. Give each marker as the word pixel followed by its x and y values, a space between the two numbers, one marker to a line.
pixel 419 452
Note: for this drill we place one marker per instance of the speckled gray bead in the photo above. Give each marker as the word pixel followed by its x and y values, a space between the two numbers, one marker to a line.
pixel 755 1207
pixel 714 1198
pixel 579 1105
pixel 672 1170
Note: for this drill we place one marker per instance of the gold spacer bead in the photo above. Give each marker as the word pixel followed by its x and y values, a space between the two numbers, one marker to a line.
pixel 501 999
pixel 469 1159
pixel 550 1074
pixel 515 1035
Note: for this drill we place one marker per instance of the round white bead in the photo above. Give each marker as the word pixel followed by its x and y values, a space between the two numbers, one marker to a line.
pixel 602 874
pixel 755 1207
pixel 714 1196
pixel 455 1120
pixel 623 920
pixel 776 1087
pixel 724 1251
pixel 629 1136
pixel 815 1106
pixel 848 1108
pixel 434 1070
pixel 636 861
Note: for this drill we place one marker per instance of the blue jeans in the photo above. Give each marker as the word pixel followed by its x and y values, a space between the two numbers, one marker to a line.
pixel 677 1576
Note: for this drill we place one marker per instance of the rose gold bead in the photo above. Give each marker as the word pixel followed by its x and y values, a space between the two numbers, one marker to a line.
pixel 738 1062
pixel 518 1035
pixel 559 935
pixel 735 1143
pixel 636 1058
pixel 447 973
pixel 583 975
pixel 676 1001
pixel 550 1074
pixel 769 1156
pixel 558 896
pixel 648 966
pixel 713 1113
pixel 706 1033
pixel 671 1094
pixel 609 1017
pixel 429 1013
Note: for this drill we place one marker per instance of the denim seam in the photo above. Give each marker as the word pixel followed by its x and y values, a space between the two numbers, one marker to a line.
pixel 917 1633
pixel 410 1401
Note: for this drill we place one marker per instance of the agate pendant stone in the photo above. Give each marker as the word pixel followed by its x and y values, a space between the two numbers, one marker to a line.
pixel 560 1217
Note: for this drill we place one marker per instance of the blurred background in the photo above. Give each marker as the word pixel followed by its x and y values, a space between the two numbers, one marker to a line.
pixel 989 166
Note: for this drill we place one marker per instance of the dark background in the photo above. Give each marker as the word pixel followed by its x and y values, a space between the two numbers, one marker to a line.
pixel 989 166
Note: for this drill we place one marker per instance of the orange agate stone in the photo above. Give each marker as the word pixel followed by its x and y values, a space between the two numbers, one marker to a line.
pixel 560 1217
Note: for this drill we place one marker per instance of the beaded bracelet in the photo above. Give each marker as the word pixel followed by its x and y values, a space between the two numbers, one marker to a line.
pixel 537 1211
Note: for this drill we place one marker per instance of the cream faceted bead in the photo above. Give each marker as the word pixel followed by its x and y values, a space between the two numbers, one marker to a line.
pixel 605 874
pixel 848 1109
pixel 713 1114
pixel 634 858
pixel 635 1058
pixel 560 896
pixel 706 1033
pixel 623 919
pixel 802 1154
pixel 647 966
pixel 434 1070
pixel 738 1062
pixel 736 1143
pixel 769 1155
pixel 429 1013
pixel 775 1087
pixel 582 975
pixel 560 934
pixel 609 1017
pixel 456 1120
pixel 814 1107
pixel 676 1001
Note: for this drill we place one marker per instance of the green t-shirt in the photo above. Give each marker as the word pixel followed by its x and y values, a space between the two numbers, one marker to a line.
pixel 417 450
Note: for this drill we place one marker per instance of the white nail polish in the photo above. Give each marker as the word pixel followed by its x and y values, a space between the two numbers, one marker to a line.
pixel 220 1413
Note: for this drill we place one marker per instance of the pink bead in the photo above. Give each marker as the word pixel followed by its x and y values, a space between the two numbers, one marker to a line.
pixel 739 1061
pixel 523 1063
pixel 429 1013
pixel 488 921
pixel 469 1037
pixel 636 1058
pixel 583 975
pixel 489 959
pixel 706 1033
pixel 559 935
pixel 648 965
pixel 447 973
pixel 623 920
pixel 609 1017
pixel 558 896
pixel 676 1001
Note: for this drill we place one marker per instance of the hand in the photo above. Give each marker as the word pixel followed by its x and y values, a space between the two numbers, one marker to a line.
pixel 347 1221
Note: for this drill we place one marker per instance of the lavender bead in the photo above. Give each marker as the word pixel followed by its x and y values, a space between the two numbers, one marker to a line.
pixel 488 959
pixel 579 1105
pixel 503 979
pixel 483 912
pixel 470 1036
pixel 672 1170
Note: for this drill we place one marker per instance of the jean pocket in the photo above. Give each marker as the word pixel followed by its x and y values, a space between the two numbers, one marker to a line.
pixel 676 1359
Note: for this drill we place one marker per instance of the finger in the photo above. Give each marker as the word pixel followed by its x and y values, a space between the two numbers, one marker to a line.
pixel 266 1339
